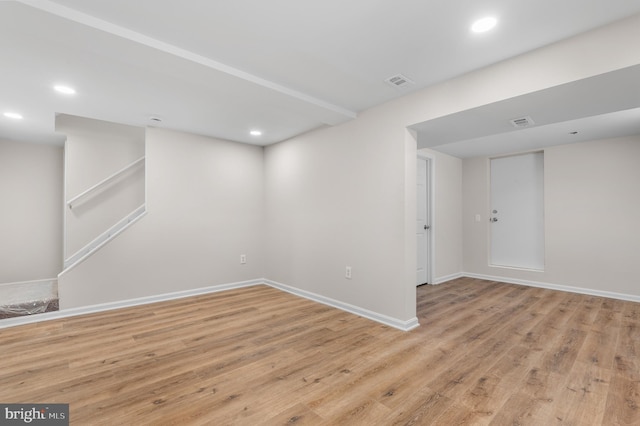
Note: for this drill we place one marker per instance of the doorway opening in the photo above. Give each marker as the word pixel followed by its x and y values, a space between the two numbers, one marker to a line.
pixel 424 220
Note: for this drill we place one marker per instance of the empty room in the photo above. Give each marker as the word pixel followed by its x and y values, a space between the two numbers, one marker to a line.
pixel 326 213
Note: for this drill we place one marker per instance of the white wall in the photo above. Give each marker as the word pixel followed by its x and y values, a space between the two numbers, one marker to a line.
pixel 334 197
pixel 592 200
pixel 343 195
pixel 204 209
pixel 94 150
pixel 592 210
pixel 447 215
pixel 31 215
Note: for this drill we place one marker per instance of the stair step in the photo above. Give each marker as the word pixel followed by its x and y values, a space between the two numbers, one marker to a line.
pixel 29 308
pixel 28 298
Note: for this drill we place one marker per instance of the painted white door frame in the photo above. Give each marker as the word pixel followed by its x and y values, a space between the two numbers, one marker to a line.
pixel 426 263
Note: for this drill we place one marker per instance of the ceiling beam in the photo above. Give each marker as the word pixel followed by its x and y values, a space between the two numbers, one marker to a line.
pixel 117 30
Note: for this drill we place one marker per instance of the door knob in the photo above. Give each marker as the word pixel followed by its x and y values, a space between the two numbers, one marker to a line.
pixel 493 219
pixel 427 227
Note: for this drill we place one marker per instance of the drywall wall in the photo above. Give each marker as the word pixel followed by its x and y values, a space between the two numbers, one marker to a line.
pixel 446 226
pixel 343 195
pixel 592 203
pixel 31 179
pixel 592 200
pixel 95 150
pixel 605 49
pixel 335 198
pixel 204 209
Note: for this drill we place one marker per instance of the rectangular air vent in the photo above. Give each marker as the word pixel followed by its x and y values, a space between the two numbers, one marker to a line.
pixel 522 122
pixel 399 81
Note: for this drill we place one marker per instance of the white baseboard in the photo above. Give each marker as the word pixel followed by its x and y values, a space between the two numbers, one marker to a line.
pixel 365 313
pixel 392 322
pixel 103 239
pixel 11 322
pixel 579 290
pixel 42 281
pixel 446 278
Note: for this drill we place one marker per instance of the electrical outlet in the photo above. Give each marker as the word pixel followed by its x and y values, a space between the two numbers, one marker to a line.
pixel 243 259
pixel 347 273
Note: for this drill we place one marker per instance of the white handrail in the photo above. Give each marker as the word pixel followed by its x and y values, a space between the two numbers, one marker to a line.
pixel 104 182
pixel 104 238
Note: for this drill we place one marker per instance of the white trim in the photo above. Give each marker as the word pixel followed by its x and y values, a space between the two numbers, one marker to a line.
pixel 446 278
pixel 104 182
pixel 365 313
pixel 431 159
pixel 117 30
pixel 102 239
pixel 12 322
pixel 559 287
pixel 64 197
pixel 45 280
pixel 431 211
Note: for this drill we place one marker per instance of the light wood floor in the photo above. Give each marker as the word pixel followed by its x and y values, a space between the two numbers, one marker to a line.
pixel 486 353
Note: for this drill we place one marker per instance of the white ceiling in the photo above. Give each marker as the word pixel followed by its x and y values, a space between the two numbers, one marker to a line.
pixel 221 68
pixel 604 106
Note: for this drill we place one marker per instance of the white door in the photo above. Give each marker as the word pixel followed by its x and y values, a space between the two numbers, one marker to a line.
pixel 423 224
pixel 517 211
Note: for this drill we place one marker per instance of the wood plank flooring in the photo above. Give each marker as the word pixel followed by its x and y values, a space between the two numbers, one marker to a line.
pixel 486 353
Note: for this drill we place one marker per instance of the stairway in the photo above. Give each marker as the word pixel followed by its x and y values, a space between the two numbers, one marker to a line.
pixel 28 298
pixel 104 183
pixel 105 194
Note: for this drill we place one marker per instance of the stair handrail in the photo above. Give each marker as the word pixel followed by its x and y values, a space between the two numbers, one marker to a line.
pixel 104 181
pixel 102 239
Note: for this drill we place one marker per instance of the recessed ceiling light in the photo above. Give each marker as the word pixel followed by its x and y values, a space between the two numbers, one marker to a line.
pixel 13 115
pixel 484 24
pixel 64 89
pixel 255 133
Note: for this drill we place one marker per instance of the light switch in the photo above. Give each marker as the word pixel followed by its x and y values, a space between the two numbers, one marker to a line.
pixel 477 218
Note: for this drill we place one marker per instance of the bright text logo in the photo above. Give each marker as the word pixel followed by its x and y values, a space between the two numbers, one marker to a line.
pixel 36 414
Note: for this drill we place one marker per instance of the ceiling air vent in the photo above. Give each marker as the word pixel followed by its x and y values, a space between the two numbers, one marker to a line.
pixel 522 122
pixel 399 81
